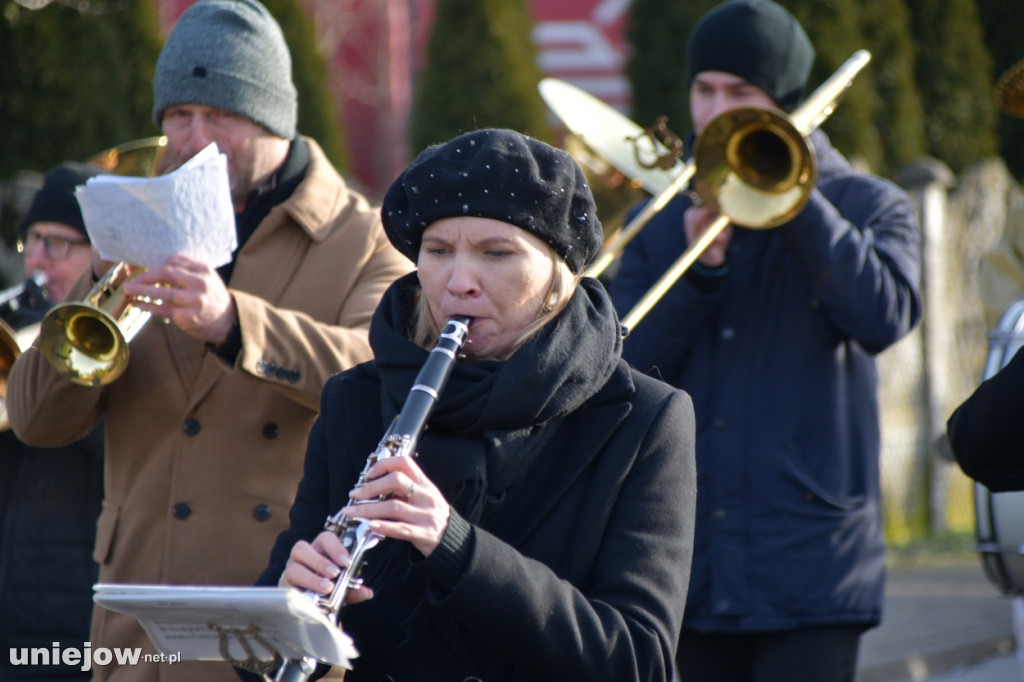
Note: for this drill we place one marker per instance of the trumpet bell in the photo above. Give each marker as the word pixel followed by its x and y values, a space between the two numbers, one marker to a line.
pixel 87 341
pixel 9 352
pixel 84 344
pixel 12 343
pixel 754 166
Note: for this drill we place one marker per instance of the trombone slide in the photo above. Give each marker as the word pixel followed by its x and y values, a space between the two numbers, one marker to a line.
pixel 669 277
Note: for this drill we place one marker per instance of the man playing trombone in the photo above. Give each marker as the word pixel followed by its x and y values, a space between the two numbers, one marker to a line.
pixel 774 333
pixel 206 427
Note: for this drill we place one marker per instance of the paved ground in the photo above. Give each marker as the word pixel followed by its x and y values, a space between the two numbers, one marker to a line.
pixel 1004 668
pixel 941 617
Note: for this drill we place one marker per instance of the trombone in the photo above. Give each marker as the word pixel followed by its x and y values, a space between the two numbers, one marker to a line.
pixel 87 341
pixel 742 175
pixel 753 165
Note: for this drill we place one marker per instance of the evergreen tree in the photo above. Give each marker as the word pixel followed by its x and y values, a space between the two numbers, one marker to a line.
pixel 73 80
pixel 480 71
pixel 896 103
pixel 954 76
pixel 656 32
pixel 318 109
pixel 1001 22
pixel 834 30
pixel 870 114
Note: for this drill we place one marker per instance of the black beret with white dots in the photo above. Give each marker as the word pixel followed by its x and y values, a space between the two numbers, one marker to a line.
pixel 502 175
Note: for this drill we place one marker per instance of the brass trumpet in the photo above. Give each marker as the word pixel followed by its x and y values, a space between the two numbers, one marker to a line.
pixel 87 341
pixel 753 165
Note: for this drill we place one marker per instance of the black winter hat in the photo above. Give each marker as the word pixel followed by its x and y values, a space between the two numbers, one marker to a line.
pixel 502 175
pixel 55 202
pixel 756 40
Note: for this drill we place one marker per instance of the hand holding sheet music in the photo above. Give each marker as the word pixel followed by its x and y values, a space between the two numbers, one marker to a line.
pixel 143 221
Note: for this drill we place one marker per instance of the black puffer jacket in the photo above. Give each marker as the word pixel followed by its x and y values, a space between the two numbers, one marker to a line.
pixel 49 501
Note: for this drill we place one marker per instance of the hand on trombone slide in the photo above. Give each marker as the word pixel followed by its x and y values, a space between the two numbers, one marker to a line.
pixel 696 221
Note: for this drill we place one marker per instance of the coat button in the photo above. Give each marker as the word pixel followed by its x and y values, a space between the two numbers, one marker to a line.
pixel 270 430
pixel 261 512
pixel 181 511
pixel 191 427
pixel 719 423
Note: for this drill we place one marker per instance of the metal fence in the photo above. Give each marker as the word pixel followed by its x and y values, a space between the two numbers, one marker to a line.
pixel 926 375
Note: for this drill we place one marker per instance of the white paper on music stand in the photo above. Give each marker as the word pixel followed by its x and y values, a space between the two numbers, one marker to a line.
pixel 178 620
pixel 143 221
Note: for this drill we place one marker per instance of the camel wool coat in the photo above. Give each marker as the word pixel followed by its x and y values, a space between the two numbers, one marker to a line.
pixel 203 458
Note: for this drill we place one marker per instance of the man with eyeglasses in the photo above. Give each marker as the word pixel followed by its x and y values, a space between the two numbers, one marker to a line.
pixel 52 235
pixel 49 497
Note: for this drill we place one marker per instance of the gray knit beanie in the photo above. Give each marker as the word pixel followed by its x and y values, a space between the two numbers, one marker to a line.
pixel 757 40
pixel 228 54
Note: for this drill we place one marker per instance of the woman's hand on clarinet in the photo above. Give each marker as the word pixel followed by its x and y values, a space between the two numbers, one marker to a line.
pixel 314 567
pixel 410 507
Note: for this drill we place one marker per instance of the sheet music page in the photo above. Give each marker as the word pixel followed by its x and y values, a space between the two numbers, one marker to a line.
pixel 189 621
pixel 143 221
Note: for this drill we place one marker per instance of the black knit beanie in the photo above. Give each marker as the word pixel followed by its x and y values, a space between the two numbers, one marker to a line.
pixel 55 202
pixel 228 54
pixel 756 40
pixel 498 174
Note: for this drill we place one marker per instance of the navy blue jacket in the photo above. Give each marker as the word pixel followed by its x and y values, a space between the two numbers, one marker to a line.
pixel 777 351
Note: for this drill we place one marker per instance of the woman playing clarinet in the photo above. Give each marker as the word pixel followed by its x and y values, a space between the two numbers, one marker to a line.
pixel 544 529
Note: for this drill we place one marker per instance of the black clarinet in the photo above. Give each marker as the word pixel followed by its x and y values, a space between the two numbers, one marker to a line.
pixel 401 438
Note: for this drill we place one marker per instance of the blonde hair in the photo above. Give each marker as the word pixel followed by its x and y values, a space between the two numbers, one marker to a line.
pixel 563 286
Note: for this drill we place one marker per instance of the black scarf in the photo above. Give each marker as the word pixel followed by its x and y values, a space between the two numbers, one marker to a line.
pixel 488 426
pixel 488 422
pixel 262 199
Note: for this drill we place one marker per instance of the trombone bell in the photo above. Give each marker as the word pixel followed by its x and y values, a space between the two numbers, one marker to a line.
pixel 614 193
pixel 87 341
pixel 612 151
pixel 754 166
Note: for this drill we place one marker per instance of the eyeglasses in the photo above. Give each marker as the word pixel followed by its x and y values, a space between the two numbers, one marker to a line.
pixel 57 248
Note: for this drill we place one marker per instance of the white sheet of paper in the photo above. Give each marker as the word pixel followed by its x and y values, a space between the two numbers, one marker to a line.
pixel 144 221
pixel 178 620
